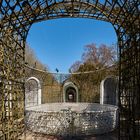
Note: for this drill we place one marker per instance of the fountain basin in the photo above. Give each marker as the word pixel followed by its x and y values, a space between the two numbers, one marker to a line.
pixel 73 119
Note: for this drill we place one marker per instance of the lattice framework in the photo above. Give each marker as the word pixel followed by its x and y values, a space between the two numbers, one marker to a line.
pixel 16 18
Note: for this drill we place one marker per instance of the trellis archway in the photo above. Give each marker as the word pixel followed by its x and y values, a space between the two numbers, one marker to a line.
pixel 16 18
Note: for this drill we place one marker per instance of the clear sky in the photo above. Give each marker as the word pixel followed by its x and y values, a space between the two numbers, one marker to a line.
pixel 60 42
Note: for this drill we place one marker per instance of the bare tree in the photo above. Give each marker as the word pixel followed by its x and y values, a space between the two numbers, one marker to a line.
pixel 100 56
pixel 75 66
pixel 32 60
pixel 96 60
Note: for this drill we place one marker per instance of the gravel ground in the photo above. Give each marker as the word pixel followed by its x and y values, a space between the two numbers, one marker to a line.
pixel 33 136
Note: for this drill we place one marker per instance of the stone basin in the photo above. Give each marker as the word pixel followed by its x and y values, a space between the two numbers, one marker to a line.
pixel 73 119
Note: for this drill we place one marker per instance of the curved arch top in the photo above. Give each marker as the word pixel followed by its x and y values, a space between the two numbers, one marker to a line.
pixel 27 12
pixel 36 79
pixel 30 11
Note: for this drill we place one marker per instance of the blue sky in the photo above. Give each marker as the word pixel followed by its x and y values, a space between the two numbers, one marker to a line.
pixel 59 43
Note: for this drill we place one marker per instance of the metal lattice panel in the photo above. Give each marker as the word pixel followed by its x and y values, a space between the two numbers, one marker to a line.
pixel 16 18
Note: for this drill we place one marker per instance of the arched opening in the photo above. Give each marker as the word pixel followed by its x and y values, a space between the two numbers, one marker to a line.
pixel 109 91
pixel 70 95
pixel 62 41
pixel 32 92
pixel 70 92
pixel 71 35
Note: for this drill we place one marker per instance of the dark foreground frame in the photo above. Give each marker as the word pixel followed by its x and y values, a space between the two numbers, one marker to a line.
pixel 16 18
